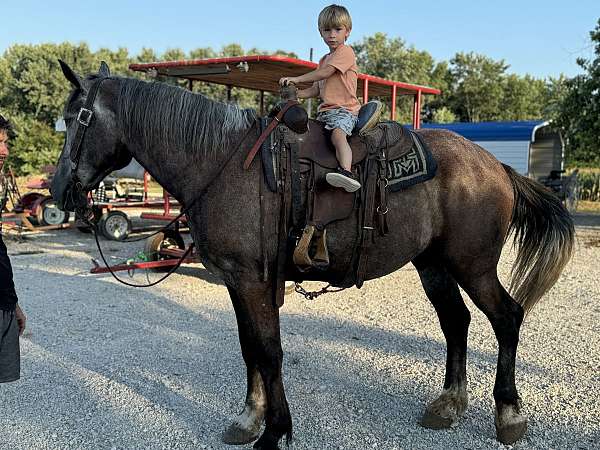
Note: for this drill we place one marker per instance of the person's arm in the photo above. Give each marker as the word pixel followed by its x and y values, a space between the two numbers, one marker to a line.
pixel 316 75
pixel 311 92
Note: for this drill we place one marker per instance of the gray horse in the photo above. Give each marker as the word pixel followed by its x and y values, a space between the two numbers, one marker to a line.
pixel 452 228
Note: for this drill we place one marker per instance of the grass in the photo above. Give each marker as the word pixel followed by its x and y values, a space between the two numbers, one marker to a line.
pixel 586 206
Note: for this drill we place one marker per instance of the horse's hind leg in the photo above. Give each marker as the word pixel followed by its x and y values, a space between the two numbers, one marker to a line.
pixel 442 290
pixel 506 317
pixel 246 427
pixel 258 323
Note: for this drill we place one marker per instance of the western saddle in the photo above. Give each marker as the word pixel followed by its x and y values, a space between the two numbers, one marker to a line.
pixel 295 165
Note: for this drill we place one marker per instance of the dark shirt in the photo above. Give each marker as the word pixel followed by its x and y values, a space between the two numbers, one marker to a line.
pixel 8 296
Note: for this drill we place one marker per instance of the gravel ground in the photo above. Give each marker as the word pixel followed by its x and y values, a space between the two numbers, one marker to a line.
pixel 106 366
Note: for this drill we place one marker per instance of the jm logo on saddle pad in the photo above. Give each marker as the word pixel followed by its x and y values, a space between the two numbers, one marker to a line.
pixel 411 168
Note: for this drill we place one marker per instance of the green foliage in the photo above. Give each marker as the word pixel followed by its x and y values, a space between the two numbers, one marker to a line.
pixel 474 88
pixel 36 145
pixel 390 58
pixel 578 112
pixel 443 115
pixel 477 88
pixel 33 90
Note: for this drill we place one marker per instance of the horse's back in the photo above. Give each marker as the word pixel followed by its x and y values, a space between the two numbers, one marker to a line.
pixel 472 194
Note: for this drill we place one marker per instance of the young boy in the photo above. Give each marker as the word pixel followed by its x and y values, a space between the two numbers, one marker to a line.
pixel 335 82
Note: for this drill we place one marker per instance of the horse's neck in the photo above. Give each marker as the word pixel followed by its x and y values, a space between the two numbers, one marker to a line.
pixel 183 175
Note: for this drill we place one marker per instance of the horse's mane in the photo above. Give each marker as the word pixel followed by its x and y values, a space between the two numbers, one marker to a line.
pixel 171 117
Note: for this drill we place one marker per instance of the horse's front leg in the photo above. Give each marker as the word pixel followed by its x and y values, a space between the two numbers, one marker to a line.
pixel 258 327
pixel 246 427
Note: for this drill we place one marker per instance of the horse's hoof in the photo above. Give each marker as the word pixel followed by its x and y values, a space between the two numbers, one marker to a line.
pixel 435 421
pixel 267 442
pixel 265 445
pixel 510 425
pixel 236 435
pixel 445 411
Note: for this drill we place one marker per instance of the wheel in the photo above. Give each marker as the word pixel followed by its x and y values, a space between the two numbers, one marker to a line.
pixel 48 214
pixel 84 227
pixel 163 240
pixel 115 225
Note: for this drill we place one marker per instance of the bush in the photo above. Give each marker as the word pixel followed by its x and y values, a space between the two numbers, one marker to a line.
pixel 35 145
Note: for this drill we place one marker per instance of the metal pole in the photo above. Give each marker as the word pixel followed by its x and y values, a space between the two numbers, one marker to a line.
pixel 228 93
pixel 310 99
pixel 417 111
pixel 393 108
pixel 262 103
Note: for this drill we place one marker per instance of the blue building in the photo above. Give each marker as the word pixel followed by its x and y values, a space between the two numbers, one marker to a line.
pixel 532 148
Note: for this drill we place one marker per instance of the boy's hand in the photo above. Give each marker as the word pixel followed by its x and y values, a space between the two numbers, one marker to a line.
pixel 21 319
pixel 287 80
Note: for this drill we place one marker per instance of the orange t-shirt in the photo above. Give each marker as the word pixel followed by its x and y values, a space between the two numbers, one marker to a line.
pixel 339 90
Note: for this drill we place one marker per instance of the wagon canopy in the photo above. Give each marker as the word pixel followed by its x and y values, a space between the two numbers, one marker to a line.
pixel 262 73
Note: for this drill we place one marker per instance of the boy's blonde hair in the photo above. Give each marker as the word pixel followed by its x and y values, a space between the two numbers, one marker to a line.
pixel 334 16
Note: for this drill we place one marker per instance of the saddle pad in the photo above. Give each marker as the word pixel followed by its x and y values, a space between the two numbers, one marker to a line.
pixel 411 168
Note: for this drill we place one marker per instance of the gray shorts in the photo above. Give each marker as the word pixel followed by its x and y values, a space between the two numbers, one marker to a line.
pixel 10 356
pixel 338 118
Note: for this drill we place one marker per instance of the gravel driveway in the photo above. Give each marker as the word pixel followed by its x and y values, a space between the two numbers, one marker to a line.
pixel 107 366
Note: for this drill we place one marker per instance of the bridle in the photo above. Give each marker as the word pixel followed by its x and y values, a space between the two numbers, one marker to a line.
pixel 84 210
pixel 84 118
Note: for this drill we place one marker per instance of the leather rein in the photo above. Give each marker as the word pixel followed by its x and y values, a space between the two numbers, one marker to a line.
pixel 84 118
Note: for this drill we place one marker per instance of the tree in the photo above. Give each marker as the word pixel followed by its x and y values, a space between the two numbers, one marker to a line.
pixel 523 98
pixel 578 114
pixel 477 87
pixel 390 58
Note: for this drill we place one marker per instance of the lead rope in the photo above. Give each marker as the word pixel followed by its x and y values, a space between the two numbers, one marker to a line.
pixel 86 220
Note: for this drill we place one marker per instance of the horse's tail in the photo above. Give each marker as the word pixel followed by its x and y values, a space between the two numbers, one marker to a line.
pixel 544 235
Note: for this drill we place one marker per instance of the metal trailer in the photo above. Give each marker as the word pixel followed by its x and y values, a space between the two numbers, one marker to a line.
pixel 533 148
pixel 108 209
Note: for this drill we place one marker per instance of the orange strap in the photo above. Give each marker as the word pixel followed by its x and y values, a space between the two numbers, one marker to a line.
pixel 267 131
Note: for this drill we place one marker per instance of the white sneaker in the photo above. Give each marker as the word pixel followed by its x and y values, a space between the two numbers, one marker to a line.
pixel 343 179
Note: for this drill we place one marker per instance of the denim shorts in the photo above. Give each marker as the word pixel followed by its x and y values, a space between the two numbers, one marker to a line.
pixel 10 357
pixel 338 118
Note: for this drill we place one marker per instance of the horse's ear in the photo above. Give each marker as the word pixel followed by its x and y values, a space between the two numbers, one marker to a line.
pixel 69 74
pixel 104 71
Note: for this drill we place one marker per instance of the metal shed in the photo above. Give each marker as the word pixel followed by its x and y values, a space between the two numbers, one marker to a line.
pixel 530 147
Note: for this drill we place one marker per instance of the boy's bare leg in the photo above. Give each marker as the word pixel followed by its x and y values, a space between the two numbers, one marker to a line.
pixel 343 152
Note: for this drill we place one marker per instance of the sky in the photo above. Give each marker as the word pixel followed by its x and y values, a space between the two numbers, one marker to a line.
pixel 540 38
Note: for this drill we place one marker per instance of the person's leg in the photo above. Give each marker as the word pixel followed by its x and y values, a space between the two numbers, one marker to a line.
pixel 10 357
pixel 343 152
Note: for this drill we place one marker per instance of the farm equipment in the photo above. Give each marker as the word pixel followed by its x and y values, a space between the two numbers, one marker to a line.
pixel 565 187
pixel 36 211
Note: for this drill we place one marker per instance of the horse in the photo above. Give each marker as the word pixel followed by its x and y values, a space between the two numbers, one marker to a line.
pixel 452 228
